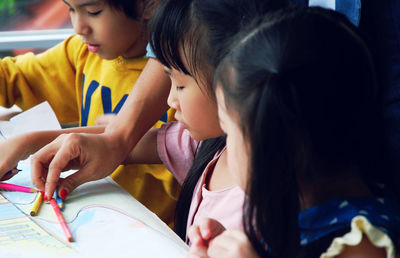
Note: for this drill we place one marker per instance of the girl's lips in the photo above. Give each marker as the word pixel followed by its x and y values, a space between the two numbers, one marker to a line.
pixel 93 48
pixel 178 119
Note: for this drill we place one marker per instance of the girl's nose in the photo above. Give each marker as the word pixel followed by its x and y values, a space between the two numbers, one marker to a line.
pixel 172 98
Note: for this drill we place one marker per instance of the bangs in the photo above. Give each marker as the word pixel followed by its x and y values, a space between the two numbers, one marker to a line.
pixel 179 41
pixel 168 29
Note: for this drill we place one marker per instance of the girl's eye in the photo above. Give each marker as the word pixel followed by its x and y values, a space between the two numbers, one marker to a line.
pixel 71 10
pixel 179 87
pixel 94 13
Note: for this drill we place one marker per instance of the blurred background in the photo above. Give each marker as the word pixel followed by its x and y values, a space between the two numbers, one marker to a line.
pixel 32 25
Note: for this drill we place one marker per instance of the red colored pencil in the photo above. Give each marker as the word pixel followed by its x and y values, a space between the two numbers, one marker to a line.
pixel 61 219
pixel 19 188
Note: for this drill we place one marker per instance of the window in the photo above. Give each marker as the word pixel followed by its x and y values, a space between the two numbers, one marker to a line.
pixel 32 25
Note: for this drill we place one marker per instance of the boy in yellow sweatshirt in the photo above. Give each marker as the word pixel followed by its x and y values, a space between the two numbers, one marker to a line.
pixel 84 77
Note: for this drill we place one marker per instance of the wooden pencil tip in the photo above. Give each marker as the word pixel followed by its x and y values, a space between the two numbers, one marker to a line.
pixel 71 239
pixel 32 213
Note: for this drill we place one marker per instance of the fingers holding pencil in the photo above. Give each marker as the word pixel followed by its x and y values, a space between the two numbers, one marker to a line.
pixel 50 161
pixel 68 151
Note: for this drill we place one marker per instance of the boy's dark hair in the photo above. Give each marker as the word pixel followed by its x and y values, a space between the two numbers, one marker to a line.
pixel 303 85
pixel 130 7
pixel 200 28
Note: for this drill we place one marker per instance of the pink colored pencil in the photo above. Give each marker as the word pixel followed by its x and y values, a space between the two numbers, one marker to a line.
pixel 18 188
pixel 61 219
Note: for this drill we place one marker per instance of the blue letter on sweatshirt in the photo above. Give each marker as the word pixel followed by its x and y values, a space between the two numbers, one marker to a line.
pixel 106 98
pixel 85 106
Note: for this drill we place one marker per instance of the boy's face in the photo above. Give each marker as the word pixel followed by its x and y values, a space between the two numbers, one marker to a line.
pixel 194 109
pixel 236 147
pixel 108 32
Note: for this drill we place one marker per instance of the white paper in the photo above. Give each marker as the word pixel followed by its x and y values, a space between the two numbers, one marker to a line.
pixel 104 219
pixel 38 118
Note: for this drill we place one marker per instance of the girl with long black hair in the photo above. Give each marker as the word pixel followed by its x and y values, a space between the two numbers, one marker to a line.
pixel 298 100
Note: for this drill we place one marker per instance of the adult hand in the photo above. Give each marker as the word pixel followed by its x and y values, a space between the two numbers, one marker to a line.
pixel 94 155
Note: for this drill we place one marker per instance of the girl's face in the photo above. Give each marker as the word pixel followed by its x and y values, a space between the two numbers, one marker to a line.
pixel 107 32
pixel 236 147
pixel 194 108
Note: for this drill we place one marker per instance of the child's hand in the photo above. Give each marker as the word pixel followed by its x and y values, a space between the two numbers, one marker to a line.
pixel 230 244
pixel 201 235
pixel 11 152
pixel 199 246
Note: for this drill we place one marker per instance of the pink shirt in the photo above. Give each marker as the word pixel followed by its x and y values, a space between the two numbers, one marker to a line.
pixel 177 150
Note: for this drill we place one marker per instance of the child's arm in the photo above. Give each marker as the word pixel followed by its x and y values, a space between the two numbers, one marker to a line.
pixel 29 79
pixel 19 147
pixel 145 150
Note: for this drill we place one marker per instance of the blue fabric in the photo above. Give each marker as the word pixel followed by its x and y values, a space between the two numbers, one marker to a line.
pixel 150 52
pixel 350 8
pixel 336 214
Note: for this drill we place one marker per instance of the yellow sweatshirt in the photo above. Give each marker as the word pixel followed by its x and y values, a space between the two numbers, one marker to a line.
pixel 80 86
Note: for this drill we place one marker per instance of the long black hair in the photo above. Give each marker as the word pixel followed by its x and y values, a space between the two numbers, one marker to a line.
pixel 176 42
pixel 223 19
pixel 303 85
pixel 201 28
